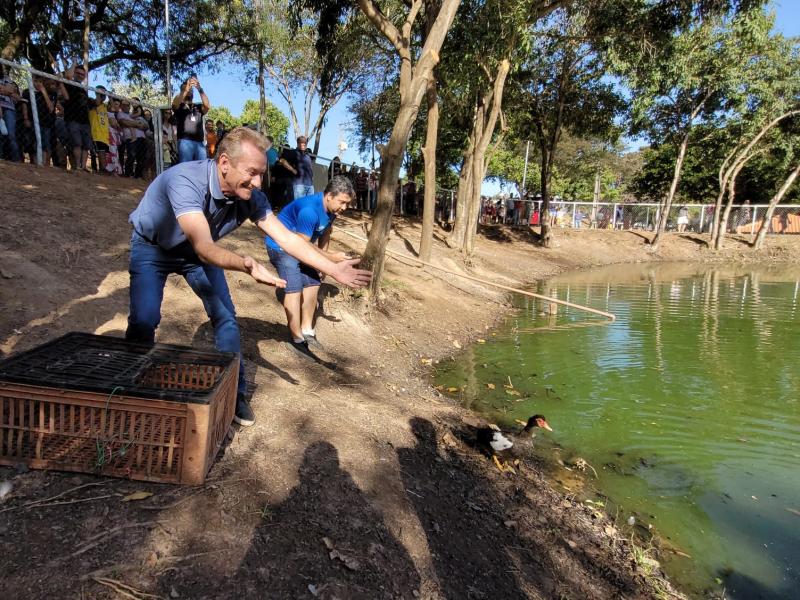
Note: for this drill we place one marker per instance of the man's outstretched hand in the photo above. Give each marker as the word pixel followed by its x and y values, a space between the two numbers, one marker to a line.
pixel 258 272
pixel 347 274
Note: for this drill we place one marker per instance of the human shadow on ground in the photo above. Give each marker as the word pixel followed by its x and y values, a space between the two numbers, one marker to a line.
pixel 325 540
pixel 475 554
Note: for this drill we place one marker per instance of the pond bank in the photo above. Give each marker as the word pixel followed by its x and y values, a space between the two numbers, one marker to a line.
pixel 354 483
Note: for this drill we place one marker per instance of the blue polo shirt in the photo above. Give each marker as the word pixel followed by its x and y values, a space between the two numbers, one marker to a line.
pixel 192 187
pixel 305 215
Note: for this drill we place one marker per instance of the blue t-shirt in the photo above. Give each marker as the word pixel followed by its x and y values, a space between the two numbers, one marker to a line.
pixel 192 187
pixel 272 157
pixel 306 216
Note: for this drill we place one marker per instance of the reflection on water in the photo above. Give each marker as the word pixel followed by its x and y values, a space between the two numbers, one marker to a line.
pixel 687 406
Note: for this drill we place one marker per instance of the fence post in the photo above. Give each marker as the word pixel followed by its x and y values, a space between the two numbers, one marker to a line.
pixel 574 207
pixel 702 216
pixel 753 221
pixel 452 207
pixel 158 141
pixel 35 111
pixel 614 217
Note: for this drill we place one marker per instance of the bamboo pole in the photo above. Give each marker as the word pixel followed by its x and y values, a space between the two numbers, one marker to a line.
pixel 595 311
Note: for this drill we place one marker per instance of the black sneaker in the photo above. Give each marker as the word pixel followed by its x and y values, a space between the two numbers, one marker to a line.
pixel 312 341
pixel 302 349
pixel 244 414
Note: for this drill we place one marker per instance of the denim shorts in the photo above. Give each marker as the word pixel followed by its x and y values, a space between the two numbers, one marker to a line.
pixel 81 135
pixel 298 276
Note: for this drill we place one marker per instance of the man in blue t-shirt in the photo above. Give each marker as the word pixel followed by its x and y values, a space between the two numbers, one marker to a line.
pixel 311 218
pixel 176 226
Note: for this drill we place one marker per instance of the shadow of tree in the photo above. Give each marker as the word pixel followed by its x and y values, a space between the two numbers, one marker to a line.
pixel 253 331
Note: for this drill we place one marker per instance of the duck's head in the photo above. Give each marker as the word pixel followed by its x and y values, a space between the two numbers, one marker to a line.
pixel 536 421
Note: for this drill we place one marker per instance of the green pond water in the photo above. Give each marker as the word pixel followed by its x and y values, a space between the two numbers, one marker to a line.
pixel 686 406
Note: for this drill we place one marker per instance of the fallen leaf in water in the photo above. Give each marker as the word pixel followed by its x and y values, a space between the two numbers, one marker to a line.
pixel 490 386
pixel 513 393
pixel 754 498
pixel 793 511
pixel 452 389
pixel 140 495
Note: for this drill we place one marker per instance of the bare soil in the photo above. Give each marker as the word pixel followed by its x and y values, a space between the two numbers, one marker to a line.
pixel 358 481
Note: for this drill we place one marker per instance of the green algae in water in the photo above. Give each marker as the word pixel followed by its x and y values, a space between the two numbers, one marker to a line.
pixel 687 406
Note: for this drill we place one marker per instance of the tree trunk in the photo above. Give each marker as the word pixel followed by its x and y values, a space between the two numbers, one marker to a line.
pixel 544 183
pixel 463 194
pixel 723 222
pixel 729 166
pixel 413 84
pixel 23 29
pixel 474 213
pixel 429 153
pixel 484 122
pixel 673 187
pixel 758 243
pixel 262 97
pixel 86 29
pixel 392 159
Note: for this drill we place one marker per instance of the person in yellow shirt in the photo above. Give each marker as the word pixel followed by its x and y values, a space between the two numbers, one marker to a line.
pixel 99 119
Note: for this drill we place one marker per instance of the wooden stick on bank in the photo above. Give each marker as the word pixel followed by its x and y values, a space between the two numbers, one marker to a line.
pixel 595 311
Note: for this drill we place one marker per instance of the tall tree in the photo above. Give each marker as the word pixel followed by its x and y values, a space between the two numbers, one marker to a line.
pixel 417 61
pixel 562 87
pixel 770 99
pixel 499 35
pixel 694 76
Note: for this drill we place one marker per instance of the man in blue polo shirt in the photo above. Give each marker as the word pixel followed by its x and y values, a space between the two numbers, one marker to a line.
pixel 183 213
pixel 310 217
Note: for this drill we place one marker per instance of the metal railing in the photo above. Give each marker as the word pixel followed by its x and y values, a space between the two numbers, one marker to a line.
pixel 698 218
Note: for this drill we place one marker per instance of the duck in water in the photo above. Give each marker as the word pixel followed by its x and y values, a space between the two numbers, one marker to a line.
pixel 500 445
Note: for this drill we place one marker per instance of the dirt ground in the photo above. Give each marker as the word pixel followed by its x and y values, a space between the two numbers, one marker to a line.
pixel 358 481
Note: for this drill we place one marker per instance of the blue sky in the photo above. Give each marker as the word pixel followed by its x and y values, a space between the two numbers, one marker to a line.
pixel 228 87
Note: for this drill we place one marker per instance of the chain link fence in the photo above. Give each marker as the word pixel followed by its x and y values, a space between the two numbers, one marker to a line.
pixel 697 218
pixel 61 121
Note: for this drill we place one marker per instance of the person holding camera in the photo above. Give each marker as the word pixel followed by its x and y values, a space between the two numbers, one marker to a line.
pixel 188 117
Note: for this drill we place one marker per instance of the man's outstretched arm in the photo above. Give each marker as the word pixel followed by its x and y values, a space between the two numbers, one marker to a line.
pixel 195 226
pixel 344 272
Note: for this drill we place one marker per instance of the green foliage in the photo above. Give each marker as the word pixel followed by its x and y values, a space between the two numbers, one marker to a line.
pixel 222 113
pixel 142 87
pixel 127 38
pixel 277 123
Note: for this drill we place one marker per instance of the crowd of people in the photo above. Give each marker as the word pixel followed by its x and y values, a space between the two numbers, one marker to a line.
pixel 83 131
pixel 77 132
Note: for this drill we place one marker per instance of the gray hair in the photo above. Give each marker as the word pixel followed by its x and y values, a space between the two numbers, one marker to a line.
pixel 340 185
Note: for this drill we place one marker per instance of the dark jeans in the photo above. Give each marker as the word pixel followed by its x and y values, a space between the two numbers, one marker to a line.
pixel 9 147
pixel 149 266
pixel 135 151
